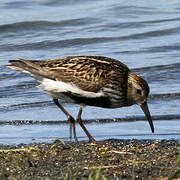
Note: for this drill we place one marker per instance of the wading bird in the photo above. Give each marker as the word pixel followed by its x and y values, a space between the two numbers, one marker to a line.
pixel 87 80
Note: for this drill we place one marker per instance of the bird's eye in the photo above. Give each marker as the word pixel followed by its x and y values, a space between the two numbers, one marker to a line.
pixel 139 91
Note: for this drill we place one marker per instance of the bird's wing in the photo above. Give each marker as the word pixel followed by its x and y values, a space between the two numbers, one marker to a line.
pixel 90 73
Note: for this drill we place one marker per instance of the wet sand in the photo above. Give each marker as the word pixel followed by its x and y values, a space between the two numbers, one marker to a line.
pixel 112 159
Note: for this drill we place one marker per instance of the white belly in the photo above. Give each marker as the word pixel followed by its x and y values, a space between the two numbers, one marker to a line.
pixel 55 89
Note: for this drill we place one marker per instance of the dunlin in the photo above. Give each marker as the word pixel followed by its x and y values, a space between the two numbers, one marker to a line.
pixel 87 80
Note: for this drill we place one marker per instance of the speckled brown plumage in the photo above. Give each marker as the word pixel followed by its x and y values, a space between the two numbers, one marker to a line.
pixel 88 80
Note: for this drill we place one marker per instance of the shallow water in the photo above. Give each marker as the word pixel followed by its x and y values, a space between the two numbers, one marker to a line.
pixel 143 35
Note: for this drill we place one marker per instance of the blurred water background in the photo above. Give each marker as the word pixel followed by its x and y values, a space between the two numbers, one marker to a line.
pixel 145 35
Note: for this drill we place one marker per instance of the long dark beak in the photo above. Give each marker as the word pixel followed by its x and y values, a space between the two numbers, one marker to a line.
pixel 145 109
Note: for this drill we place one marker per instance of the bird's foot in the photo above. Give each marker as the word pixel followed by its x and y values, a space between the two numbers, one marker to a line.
pixel 72 128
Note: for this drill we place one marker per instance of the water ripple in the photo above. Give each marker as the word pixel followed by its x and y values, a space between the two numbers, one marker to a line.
pixel 44 25
pixel 144 35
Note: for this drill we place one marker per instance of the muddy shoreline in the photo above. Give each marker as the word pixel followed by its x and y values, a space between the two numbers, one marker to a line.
pixel 111 159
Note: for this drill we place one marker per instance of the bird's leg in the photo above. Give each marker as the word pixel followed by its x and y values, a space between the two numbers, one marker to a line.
pixel 71 120
pixel 91 139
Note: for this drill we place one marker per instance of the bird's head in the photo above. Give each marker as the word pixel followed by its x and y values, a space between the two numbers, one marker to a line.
pixel 138 91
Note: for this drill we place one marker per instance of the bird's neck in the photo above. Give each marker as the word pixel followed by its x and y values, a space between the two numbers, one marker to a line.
pixel 132 78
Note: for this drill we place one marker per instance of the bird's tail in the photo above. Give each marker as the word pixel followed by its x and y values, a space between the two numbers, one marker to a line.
pixel 30 67
pixel 26 66
pixel 19 65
